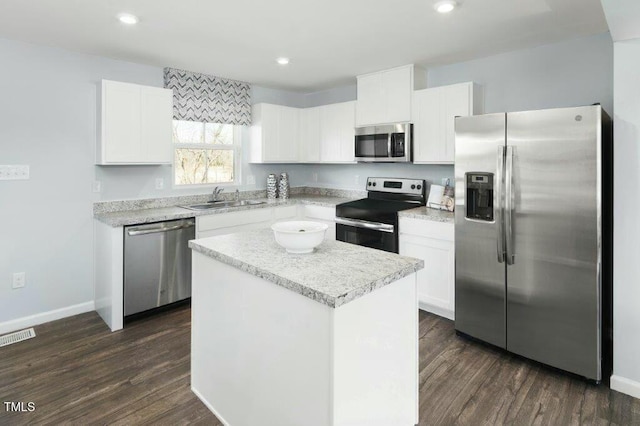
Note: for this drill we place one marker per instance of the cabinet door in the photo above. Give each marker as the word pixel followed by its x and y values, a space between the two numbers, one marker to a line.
pixel 437 280
pixel 321 214
pixel 347 124
pixel 310 135
pixel 397 86
pixel 337 133
pixel 428 131
pixel 156 130
pixel 288 134
pixel 121 123
pixel 269 135
pixel 456 101
pixel 227 223
pixel 370 108
pixel 330 134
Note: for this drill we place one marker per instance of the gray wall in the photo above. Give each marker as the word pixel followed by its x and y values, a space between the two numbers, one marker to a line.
pixel 571 73
pixel 48 116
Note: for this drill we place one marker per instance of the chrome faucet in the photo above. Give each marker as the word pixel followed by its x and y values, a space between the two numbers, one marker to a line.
pixel 216 193
pixel 237 195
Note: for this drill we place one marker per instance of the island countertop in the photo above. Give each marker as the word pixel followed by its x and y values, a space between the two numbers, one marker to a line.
pixel 334 274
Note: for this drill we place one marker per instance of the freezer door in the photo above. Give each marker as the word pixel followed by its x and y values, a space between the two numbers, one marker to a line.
pixel 553 243
pixel 480 275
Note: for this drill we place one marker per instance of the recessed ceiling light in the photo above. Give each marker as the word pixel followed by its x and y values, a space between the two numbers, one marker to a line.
pixel 282 61
pixel 445 6
pixel 127 18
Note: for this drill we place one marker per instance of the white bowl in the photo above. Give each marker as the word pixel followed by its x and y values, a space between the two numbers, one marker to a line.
pixel 299 236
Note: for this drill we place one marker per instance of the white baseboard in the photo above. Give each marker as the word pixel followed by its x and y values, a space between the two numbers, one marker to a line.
pixel 208 405
pixel 447 313
pixel 626 386
pixel 31 320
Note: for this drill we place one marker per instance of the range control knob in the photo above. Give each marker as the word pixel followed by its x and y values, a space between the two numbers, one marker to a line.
pixel 419 186
pixel 369 183
pixel 374 184
pixel 413 187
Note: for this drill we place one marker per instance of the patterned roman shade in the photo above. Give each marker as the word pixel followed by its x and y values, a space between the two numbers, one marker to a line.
pixel 209 99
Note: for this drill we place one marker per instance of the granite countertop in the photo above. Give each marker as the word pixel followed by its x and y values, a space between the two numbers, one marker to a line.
pixel 334 274
pixel 137 216
pixel 426 213
pixel 148 210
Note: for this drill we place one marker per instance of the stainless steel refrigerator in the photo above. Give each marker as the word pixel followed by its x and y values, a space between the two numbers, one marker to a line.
pixel 533 234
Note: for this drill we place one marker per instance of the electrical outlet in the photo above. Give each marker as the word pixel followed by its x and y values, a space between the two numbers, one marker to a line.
pixel 9 172
pixel 97 186
pixel 159 183
pixel 445 181
pixel 314 177
pixel 19 279
pixel 356 179
pixel 251 180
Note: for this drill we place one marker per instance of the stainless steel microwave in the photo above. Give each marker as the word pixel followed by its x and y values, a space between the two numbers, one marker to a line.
pixel 390 143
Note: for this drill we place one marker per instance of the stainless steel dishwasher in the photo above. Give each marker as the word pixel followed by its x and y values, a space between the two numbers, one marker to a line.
pixel 157 264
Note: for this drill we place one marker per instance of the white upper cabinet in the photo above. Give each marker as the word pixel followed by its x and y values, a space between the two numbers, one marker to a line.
pixel 135 124
pixel 385 96
pixel 434 111
pixel 274 134
pixel 310 135
pixel 323 134
pixel 370 106
pixel 337 133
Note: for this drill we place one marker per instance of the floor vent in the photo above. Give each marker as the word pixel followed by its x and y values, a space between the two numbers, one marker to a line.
pixel 16 337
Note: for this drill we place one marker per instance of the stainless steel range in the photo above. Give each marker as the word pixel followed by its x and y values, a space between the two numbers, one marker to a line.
pixel 373 221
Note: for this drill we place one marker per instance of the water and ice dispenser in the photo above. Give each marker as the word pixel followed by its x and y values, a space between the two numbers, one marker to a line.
pixel 479 193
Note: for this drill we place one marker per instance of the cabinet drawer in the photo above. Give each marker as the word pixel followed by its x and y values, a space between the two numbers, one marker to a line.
pixel 286 212
pixel 427 228
pixel 319 212
pixel 225 220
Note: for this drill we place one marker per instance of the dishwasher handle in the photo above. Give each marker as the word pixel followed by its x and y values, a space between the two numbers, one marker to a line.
pixel 137 231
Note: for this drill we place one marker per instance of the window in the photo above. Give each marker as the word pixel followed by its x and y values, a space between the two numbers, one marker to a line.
pixel 205 153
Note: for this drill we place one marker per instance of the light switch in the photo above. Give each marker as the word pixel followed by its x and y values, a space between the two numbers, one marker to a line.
pixel 14 172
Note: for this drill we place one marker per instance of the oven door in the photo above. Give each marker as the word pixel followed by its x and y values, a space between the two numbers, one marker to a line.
pixel 381 236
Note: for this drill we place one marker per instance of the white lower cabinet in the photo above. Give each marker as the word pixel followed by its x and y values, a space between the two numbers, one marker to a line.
pixel 432 242
pixel 247 220
pixel 228 223
pixel 320 214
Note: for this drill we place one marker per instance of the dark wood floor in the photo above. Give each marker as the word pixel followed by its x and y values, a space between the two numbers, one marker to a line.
pixel 77 372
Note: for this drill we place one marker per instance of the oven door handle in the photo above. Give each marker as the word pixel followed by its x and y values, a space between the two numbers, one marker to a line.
pixel 374 226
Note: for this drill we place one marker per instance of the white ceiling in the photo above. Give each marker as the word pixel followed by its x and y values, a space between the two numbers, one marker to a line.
pixel 328 41
pixel 623 17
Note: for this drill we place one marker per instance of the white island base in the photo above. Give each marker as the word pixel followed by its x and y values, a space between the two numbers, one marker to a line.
pixel 266 355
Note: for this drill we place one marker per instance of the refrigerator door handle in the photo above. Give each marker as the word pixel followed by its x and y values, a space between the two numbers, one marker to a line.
pixel 497 204
pixel 509 206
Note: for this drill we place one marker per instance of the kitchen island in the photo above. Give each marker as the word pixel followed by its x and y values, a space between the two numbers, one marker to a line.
pixel 328 338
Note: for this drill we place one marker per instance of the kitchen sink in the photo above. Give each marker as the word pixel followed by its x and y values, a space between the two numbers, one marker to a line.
pixel 222 204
